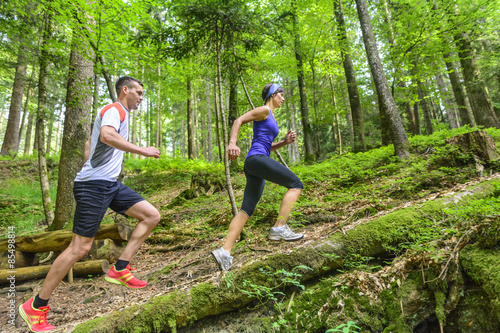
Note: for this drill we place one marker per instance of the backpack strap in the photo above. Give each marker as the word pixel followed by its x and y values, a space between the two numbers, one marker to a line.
pixel 118 106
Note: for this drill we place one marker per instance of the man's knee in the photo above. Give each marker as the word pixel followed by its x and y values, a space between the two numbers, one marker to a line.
pixel 80 248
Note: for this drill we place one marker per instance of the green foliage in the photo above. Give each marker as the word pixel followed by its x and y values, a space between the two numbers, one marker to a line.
pixel 345 328
pixel 285 279
pixel 166 163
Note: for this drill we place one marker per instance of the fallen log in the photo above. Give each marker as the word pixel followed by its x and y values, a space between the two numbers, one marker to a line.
pixel 60 239
pixel 179 308
pixel 38 272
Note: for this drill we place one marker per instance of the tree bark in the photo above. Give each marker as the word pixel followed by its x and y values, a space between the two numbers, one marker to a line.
pixel 476 89
pixel 425 107
pixel 350 77
pixel 217 117
pixel 26 111
pixel 448 103
pixel 223 120
pixel 41 115
pixel 465 116
pixel 398 133
pixel 108 79
pixel 76 126
pixel 10 144
pixel 308 147
pixel 158 112
pixel 190 125
pixel 210 156
pixel 418 128
pixel 27 140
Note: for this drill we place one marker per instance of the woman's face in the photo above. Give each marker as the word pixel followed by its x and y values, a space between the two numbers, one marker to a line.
pixel 278 99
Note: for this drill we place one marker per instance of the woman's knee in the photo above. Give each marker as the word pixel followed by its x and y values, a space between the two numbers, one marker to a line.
pixel 297 184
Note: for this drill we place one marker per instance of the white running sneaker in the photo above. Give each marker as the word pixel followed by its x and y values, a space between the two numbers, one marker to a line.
pixel 223 259
pixel 284 233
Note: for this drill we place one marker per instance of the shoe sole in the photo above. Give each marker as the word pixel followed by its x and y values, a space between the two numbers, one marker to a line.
pixel 278 238
pixel 109 279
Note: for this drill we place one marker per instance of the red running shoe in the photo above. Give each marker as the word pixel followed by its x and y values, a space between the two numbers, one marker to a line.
pixel 124 277
pixel 35 318
pixel 129 267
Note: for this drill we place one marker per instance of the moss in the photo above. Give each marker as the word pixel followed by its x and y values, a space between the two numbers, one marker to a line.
pixel 440 298
pixel 483 267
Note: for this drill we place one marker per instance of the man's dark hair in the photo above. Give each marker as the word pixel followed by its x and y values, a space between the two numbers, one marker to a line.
pixel 266 90
pixel 125 81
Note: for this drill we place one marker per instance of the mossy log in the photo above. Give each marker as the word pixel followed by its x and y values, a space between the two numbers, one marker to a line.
pixel 167 312
pixel 483 266
pixel 60 239
pixel 37 272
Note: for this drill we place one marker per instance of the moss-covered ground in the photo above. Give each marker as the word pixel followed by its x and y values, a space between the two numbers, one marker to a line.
pixel 399 289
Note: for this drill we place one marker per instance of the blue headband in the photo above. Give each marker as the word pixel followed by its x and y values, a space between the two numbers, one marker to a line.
pixel 271 91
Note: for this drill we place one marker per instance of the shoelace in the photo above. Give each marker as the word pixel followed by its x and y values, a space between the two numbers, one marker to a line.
pixel 43 315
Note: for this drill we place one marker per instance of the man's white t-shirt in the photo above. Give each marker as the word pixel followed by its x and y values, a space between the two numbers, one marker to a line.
pixel 104 161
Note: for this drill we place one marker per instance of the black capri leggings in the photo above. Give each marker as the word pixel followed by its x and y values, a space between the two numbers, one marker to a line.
pixel 258 169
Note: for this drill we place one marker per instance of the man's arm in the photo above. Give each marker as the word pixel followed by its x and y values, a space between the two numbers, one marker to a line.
pixel 86 154
pixel 110 137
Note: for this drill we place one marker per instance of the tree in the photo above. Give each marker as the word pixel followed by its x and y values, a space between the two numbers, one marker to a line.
pixel 11 139
pixel 476 90
pixel 398 133
pixel 304 110
pixel 76 125
pixel 40 119
pixel 350 77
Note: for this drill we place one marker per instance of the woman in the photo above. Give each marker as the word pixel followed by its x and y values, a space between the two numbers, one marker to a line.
pixel 259 167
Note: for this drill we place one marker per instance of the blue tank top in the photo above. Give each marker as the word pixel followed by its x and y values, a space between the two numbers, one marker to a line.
pixel 264 133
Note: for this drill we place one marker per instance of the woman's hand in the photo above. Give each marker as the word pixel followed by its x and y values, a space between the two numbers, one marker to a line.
pixel 290 137
pixel 233 151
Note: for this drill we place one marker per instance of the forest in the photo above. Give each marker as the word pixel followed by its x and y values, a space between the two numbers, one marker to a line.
pixel 396 106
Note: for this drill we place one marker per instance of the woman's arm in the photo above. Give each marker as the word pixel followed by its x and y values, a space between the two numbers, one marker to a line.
pixel 289 138
pixel 257 114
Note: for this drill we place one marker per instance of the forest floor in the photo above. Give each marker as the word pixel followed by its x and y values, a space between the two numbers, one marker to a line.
pixel 177 255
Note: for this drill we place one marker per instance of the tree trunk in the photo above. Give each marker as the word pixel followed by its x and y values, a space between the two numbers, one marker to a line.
pixel 10 144
pixel 448 104
pixel 465 116
pixel 224 126
pixel 107 78
pixel 41 115
pixel 217 117
pixel 25 112
pixel 60 119
pixel 418 128
pixel 425 107
pixel 158 112
pixel 76 126
pixel 398 133
pixel 27 140
pixel 308 148
pixel 398 69
pixel 190 125
pixel 335 121
pixel 233 106
pixel 476 89
pixel 50 128
pixel 385 132
pixel 183 139
pixel 352 86
pixel 210 156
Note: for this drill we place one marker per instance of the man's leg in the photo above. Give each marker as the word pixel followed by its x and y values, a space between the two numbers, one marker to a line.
pixel 78 247
pixel 148 217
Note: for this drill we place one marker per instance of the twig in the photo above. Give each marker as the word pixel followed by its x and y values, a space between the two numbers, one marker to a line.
pixel 290 303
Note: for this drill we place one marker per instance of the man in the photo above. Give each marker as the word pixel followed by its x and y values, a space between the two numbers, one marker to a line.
pixel 96 188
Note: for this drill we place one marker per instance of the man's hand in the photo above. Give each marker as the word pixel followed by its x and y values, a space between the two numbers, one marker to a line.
pixel 151 152
pixel 233 151
pixel 290 137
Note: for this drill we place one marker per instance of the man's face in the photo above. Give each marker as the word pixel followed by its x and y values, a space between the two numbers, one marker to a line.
pixel 134 95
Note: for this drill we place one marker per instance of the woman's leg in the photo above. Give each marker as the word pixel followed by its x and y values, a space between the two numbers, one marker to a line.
pixel 268 169
pixel 289 199
pixel 234 230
